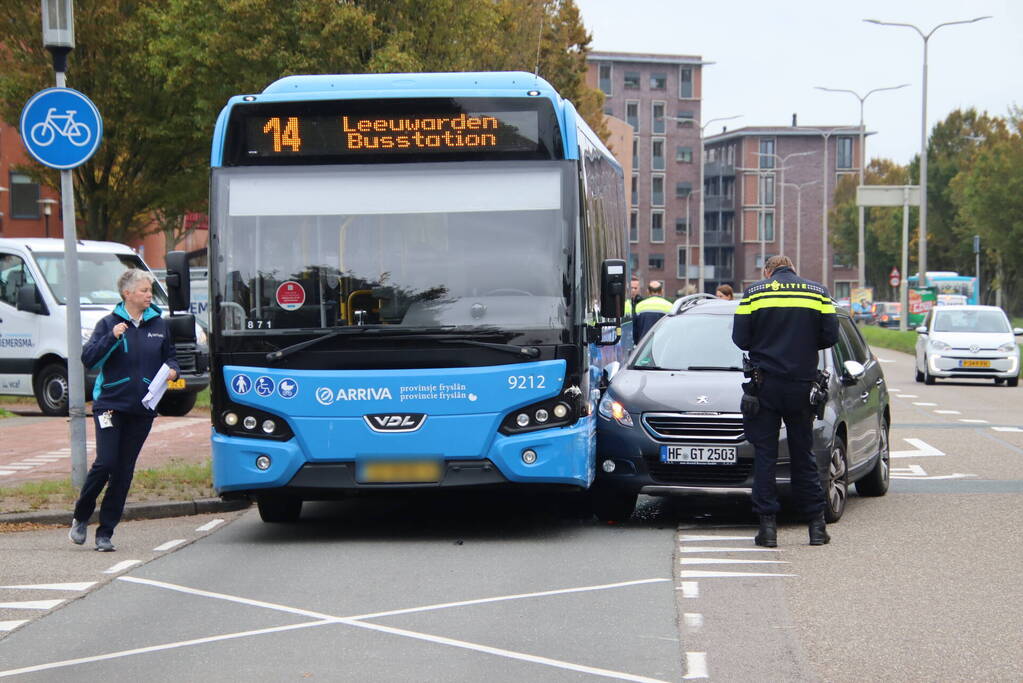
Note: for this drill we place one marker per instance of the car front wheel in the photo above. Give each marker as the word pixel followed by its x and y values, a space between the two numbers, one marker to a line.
pixel 836 488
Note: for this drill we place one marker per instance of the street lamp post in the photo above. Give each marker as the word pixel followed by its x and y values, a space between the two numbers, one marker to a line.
pixel 47 212
pixel 2 189
pixel 799 213
pixel 923 136
pixel 781 181
pixel 689 231
pixel 861 258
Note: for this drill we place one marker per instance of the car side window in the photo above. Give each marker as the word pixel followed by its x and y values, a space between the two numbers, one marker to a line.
pixel 841 350
pixel 856 343
pixel 13 274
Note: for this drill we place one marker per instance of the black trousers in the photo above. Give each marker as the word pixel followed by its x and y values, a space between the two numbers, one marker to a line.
pixel 117 449
pixel 789 401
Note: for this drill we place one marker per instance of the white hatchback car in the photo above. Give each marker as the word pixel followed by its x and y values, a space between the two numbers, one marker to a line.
pixel 967 341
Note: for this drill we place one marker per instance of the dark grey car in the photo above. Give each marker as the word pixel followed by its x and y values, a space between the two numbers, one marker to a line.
pixel 669 421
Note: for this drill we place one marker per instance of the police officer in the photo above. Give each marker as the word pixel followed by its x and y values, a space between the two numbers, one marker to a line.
pixel 783 321
pixel 649 310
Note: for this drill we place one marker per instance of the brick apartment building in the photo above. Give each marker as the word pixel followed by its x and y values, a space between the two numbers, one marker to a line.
pixel 660 97
pixel 24 203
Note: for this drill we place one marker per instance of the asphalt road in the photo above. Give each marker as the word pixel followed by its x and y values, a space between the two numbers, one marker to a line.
pixel 921 584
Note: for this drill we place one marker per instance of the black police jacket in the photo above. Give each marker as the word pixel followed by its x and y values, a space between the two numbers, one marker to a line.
pixel 127 364
pixel 783 322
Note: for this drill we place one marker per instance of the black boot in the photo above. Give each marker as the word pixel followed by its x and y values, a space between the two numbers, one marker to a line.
pixel 768 534
pixel 818 530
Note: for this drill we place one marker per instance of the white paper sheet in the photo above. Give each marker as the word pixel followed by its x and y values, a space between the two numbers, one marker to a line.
pixel 157 387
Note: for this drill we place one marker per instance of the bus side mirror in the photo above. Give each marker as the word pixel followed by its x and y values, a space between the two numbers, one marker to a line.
pixel 612 288
pixel 29 300
pixel 178 281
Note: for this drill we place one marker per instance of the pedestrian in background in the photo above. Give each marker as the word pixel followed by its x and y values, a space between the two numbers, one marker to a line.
pixel 783 321
pixel 725 292
pixel 128 347
pixel 649 310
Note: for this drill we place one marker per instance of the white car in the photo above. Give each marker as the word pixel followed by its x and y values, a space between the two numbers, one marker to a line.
pixel 967 341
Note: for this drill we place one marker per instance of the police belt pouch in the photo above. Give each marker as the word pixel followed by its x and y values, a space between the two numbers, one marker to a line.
pixel 750 403
pixel 819 393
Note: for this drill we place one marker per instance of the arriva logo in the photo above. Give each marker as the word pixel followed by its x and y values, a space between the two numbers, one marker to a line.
pixel 326 396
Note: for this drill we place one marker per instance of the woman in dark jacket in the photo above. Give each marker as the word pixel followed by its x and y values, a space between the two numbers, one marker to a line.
pixel 128 347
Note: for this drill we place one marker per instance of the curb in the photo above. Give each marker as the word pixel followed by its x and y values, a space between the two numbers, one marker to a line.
pixel 154 510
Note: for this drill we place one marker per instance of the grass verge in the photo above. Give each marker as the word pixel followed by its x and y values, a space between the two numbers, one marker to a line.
pixel 890 339
pixel 174 481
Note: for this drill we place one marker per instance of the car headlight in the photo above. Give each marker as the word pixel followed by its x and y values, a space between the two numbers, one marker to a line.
pixel 939 345
pixel 200 335
pixel 1007 346
pixel 86 334
pixel 613 410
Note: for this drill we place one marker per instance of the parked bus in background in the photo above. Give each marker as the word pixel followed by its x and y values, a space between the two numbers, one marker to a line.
pixel 417 281
pixel 949 283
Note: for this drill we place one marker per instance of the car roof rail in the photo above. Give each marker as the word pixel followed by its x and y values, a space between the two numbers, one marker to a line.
pixel 689 301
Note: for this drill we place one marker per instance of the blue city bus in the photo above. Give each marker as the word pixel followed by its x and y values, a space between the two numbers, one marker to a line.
pixel 950 283
pixel 417 281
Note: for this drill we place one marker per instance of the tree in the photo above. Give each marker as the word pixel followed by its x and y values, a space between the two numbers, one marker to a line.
pixel 882 230
pixel 160 71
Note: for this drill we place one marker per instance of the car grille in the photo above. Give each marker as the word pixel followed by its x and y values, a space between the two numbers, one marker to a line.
pixel 705 428
pixel 699 475
pixel 185 352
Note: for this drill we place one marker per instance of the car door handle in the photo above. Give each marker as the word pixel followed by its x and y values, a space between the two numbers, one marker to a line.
pixel 864 396
pixel 879 382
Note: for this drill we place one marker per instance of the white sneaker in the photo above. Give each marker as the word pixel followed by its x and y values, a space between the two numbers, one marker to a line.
pixel 77 532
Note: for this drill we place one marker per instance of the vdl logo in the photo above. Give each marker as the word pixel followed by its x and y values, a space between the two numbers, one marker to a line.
pixel 395 422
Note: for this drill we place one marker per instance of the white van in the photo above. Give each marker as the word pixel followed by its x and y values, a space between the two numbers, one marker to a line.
pixel 33 321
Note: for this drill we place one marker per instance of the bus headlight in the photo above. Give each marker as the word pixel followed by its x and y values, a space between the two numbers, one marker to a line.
pixel 230 419
pixel 269 426
pixel 249 422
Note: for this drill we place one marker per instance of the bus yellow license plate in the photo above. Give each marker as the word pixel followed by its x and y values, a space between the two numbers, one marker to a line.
pixel 401 472
pixel 175 384
pixel 975 364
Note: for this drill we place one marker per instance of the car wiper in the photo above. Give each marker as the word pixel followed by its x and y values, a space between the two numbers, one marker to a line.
pixel 651 367
pixel 714 367
pixel 520 351
pixel 344 332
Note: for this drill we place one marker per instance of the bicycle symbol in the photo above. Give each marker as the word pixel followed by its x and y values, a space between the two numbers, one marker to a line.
pixel 45 132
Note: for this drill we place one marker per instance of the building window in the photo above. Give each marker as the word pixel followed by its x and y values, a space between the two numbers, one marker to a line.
pixel 24 197
pixel 683 263
pixel 635 152
pixel 683 154
pixel 685 83
pixel 685 119
pixel 657 226
pixel 765 227
pixel 766 194
pixel 634 263
pixel 657 190
pixel 658 81
pixel 604 79
pixel 632 80
pixel 655 261
pixel 766 153
pixel 730 155
pixel 635 189
pixel 681 226
pixel 843 289
pixel 657 117
pixel 632 114
pixel 634 226
pixel 683 189
pixel 759 261
pixel 845 153
pixel 609 110
pixel 657 154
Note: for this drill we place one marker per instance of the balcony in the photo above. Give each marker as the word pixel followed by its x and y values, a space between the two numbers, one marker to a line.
pixel 718 238
pixel 718 168
pixel 719 202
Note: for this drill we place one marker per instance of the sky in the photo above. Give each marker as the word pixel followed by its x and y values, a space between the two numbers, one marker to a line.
pixel 769 55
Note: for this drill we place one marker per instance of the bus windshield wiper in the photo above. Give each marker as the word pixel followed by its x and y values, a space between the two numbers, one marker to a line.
pixel 520 351
pixel 714 367
pixel 343 332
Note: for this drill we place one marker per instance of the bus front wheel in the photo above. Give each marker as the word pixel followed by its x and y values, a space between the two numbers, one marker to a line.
pixel 276 509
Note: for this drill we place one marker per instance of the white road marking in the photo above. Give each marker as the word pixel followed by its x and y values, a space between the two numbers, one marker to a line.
pixel 121 566
pixel 689 538
pixel 923 449
pixel 894 390
pixel 11 625
pixel 718 549
pixel 923 403
pixel 7 473
pixel 210 525
pixel 885 360
pixel 696 665
pixel 15 466
pixel 954 475
pixel 697 574
pixel 84 585
pixel 1007 429
pixel 718 560
pixel 690 589
pixel 694 621
pixel 169 544
pixel 948 412
pixel 223 596
pixel 973 421
pixel 907 396
pixel 31 604
pixel 911 472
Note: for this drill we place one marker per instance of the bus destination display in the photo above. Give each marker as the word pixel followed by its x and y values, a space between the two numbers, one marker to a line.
pixel 351 131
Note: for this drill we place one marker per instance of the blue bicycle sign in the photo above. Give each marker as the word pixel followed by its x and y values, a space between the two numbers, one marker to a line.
pixel 61 127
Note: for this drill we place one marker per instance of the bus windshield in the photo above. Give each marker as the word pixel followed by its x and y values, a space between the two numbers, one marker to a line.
pixel 424 245
pixel 97 276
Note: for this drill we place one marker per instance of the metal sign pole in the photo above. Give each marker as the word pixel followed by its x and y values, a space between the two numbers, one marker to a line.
pixel 904 285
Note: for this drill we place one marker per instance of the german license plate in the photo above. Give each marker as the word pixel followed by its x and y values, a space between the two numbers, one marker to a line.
pixel 400 472
pixel 698 455
pixel 974 363
pixel 176 383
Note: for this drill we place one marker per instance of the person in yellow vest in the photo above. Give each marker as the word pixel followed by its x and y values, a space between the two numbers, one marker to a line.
pixel 649 310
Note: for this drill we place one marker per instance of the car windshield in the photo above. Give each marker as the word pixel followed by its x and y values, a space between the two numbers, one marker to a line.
pixel 97 276
pixel 970 321
pixel 690 341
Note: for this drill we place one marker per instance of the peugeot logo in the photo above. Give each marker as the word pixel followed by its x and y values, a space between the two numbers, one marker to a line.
pixel 702 400
pixel 395 422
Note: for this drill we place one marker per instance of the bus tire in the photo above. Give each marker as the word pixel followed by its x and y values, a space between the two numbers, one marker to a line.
pixel 51 390
pixel 278 509
pixel 176 405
